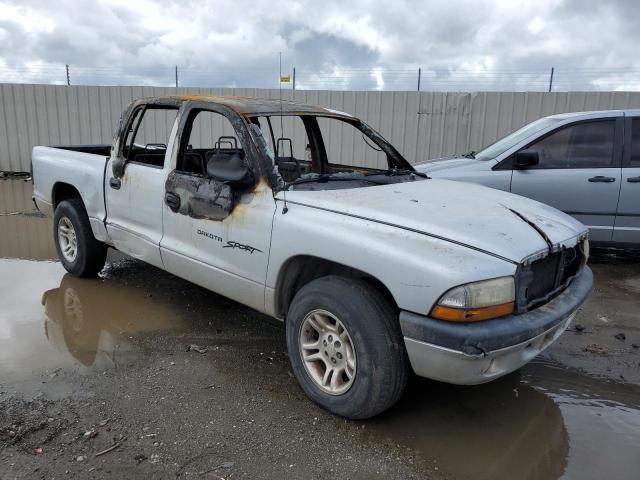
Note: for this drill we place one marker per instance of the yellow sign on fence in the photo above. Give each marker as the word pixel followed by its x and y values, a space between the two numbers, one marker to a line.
pixel 285 79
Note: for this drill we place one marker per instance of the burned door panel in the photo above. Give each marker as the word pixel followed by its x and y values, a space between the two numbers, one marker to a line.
pixel 216 221
pixel 199 197
pixel 228 256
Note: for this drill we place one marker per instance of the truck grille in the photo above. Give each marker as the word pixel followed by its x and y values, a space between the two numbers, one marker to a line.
pixel 541 280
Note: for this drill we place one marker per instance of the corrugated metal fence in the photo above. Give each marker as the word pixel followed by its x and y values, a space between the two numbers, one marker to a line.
pixel 421 125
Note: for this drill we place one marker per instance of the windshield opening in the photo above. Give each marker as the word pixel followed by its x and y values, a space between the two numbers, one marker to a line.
pixel 315 152
pixel 505 143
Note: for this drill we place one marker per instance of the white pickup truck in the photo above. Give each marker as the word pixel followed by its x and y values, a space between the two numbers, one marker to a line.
pixel 308 215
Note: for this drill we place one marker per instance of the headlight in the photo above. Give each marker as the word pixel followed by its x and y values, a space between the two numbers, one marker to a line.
pixel 585 250
pixel 477 301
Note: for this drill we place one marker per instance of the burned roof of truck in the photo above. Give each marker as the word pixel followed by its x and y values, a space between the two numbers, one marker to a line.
pixel 249 106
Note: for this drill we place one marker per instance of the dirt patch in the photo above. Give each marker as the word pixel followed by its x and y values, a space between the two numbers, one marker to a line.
pixel 605 337
pixel 101 379
pixel 30 425
pixel 632 284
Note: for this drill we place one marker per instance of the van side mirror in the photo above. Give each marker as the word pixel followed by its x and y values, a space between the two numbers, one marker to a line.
pixel 525 159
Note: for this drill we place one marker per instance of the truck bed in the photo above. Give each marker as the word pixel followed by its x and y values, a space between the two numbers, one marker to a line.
pixel 102 150
pixel 79 167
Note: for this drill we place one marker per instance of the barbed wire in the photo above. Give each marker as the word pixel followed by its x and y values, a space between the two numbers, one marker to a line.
pixel 338 77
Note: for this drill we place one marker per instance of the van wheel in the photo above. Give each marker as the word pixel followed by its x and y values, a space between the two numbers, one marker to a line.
pixel 346 348
pixel 80 253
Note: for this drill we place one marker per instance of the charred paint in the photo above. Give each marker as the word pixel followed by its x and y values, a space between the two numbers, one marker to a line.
pixel 118 159
pixel 246 200
pixel 249 106
pixel 238 110
pixel 201 197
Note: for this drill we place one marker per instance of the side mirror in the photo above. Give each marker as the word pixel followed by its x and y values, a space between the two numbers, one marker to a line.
pixel 117 167
pixel 525 159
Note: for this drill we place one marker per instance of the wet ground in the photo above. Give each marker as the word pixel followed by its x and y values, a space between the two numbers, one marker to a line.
pixel 97 380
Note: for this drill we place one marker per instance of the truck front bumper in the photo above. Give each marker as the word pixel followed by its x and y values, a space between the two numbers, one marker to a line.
pixel 473 353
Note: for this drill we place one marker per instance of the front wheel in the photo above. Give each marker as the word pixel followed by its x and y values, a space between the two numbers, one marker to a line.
pixel 79 251
pixel 346 348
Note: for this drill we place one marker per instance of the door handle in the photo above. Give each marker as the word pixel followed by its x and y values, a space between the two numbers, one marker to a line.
pixel 172 200
pixel 602 179
pixel 633 179
pixel 115 183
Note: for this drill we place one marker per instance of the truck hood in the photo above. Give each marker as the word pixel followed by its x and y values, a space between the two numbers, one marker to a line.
pixel 433 166
pixel 496 222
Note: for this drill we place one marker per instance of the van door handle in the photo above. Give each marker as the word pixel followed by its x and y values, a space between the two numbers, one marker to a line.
pixel 633 179
pixel 602 179
pixel 115 183
pixel 172 200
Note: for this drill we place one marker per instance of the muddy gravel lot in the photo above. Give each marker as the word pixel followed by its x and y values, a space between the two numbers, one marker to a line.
pixel 139 374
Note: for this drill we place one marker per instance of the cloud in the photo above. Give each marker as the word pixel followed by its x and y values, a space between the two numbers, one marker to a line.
pixel 459 44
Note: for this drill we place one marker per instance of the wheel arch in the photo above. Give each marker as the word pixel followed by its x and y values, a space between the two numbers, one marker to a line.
pixel 64 191
pixel 300 270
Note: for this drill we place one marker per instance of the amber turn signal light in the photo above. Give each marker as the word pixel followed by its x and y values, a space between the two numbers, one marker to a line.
pixel 471 314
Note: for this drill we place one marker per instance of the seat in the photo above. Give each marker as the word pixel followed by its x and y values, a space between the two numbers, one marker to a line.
pixel 155 159
pixel 290 168
pixel 227 151
pixel 193 163
pixel 223 160
pixel 214 155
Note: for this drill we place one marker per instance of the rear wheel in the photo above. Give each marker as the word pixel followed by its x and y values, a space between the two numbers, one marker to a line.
pixel 346 348
pixel 79 251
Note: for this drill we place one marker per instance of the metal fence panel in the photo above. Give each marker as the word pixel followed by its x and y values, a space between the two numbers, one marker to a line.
pixel 422 125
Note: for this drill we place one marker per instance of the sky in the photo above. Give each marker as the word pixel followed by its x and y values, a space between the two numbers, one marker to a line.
pixel 342 45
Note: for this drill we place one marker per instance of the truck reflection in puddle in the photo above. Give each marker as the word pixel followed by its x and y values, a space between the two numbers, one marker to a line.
pixel 90 318
pixel 504 430
pixel 541 423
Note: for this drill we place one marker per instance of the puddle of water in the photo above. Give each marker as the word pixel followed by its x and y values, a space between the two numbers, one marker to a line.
pixel 542 423
pixel 602 420
pixel 30 234
pixel 614 256
pixel 50 319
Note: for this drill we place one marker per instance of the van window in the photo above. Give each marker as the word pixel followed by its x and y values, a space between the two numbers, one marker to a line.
pixel 582 145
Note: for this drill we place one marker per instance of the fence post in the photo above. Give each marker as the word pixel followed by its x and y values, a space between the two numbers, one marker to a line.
pixel 419 75
pixel 68 77
pixel 551 80
pixel 294 78
pixel 176 77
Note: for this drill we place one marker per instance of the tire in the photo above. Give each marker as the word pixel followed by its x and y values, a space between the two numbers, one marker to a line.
pixel 381 364
pixel 71 219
